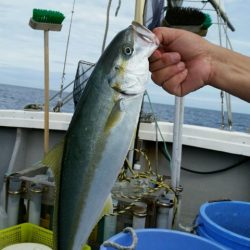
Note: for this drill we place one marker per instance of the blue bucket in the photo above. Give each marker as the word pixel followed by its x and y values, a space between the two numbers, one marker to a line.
pixel 162 239
pixel 227 223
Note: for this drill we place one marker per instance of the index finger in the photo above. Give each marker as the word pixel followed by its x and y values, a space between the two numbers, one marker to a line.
pixel 155 56
pixel 166 35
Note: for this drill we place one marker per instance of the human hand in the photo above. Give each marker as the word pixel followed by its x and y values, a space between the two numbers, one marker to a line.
pixel 182 63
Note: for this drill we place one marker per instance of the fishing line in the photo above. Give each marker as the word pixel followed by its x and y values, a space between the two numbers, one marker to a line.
pixel 156 122
pixel 59 104
pixel 78 89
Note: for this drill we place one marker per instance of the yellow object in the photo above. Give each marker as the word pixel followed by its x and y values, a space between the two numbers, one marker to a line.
pixel 27 232
pixel 27 246
pixel 139 7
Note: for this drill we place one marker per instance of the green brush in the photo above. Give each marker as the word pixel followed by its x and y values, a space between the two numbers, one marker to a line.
pixel 47 16
pixel 190 19
pixel 46 20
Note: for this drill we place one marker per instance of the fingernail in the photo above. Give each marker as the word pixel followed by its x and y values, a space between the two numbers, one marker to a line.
pixel 175 57
pixel 181 65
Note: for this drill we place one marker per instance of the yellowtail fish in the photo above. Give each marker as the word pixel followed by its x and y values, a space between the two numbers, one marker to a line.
pixel 100 133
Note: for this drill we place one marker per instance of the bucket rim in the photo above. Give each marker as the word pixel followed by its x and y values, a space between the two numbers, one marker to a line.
pixel 227 234
pixel 167 231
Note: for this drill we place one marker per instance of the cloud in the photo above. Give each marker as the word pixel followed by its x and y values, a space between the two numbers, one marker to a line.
pixel 22 48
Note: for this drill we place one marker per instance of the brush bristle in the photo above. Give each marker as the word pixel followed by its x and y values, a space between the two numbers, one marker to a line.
pixel 47 16
pixel 208 21
pixel 184 16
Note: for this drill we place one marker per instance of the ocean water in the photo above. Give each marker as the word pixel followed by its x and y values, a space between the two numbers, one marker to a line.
pixel 16 97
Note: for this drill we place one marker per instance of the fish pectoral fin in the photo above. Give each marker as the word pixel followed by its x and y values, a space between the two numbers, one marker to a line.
pixel 115 115
pixel 53 160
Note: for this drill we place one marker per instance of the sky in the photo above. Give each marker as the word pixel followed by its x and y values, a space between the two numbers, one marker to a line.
pixel 22 48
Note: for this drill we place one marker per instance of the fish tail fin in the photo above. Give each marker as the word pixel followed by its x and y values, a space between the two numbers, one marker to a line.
pixel 53 160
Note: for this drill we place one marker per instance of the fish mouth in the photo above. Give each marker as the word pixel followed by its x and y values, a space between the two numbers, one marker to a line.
pixel 127 92
pixel 145 33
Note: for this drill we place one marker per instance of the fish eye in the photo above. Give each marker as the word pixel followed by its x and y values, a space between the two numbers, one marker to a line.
pixel 128 50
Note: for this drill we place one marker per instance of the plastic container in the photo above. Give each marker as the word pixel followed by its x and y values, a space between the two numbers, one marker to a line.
pixel 163 239
pixel 27 232
pixel 27 246
pixel 227 223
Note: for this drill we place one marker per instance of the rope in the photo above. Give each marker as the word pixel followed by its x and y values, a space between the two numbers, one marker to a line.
pixel 149 174
pixel 107 25
pixel 120 247
pixel 118 7
pixel 107 21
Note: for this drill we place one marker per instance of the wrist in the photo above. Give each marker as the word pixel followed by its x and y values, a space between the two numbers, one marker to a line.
pixel 216 61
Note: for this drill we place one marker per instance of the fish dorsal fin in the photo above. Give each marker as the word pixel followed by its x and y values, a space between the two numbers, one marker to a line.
pixel 53 160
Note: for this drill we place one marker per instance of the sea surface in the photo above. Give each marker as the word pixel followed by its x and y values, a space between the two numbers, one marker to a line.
pixel 16 97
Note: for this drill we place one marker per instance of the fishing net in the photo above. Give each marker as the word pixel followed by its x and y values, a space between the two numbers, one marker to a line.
pixel 83 73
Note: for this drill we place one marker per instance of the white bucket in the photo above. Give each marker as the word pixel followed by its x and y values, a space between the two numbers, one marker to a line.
pixel 27 246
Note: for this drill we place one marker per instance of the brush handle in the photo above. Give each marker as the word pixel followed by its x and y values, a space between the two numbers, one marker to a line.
pixel 139 7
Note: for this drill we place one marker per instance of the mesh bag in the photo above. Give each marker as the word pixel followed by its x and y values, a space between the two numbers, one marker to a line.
pixel 83 73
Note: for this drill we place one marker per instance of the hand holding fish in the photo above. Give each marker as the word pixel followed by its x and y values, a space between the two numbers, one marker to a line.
pixel 181 64
pixel 185 62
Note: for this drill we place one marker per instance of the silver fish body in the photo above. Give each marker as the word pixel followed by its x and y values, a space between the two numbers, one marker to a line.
pixel 100 134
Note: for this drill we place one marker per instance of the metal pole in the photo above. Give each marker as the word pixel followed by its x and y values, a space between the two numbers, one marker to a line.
pixel 177 142
pixel 222 14
pixel 46 91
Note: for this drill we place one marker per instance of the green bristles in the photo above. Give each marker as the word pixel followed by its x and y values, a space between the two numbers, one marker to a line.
pixel 187 16
pixel 47 16
pixel 207 22
pixel 190 19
